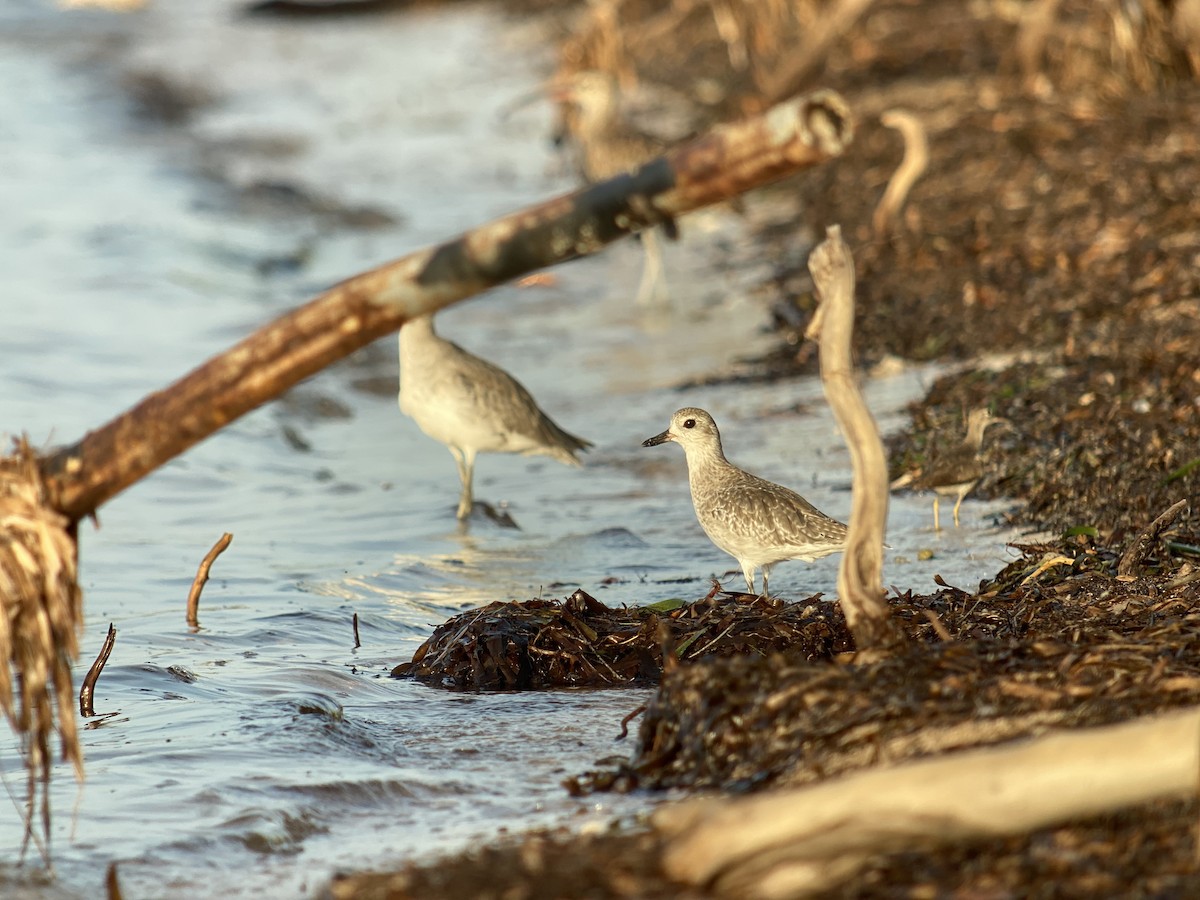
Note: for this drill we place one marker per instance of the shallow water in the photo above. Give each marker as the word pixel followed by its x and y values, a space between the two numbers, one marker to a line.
pixel 263 752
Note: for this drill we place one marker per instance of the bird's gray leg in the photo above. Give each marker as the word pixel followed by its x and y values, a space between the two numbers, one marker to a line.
pixel 466 472
pixel 766 571
pixel 652 286
pixel 957 505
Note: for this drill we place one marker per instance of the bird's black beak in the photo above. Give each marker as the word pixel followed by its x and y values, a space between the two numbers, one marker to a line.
pixel 658 439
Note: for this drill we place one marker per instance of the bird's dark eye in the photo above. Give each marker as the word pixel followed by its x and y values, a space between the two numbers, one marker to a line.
pixel 690 423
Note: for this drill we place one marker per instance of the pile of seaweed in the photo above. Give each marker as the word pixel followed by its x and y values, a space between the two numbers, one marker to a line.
pixel 538 644
pixel 1058 640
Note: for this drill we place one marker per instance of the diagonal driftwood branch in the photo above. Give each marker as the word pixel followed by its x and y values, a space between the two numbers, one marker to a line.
pixel 804 841
pixel 860 576
pixel 42 500
pixel 726 161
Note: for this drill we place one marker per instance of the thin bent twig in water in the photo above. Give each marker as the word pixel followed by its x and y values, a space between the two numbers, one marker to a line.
pixel 642 707
pixel 88 688
pixel 193 604
pixel 357 642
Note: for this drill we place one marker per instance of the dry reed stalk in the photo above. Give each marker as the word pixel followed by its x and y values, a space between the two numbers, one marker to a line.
pixel 42 610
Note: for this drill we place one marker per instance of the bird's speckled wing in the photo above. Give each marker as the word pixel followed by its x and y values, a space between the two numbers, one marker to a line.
pixel 745 508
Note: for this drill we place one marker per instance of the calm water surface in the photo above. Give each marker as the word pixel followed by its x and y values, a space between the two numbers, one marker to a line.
pixel 262 753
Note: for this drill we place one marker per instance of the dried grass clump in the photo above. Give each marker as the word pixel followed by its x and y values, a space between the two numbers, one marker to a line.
pixel 739 44
pixel 42 613
pixel 1115 46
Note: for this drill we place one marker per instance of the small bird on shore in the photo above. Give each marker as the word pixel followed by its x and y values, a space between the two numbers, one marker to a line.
pixel 955 471
pixel 473 406
pixel 607 146
pixel 755 521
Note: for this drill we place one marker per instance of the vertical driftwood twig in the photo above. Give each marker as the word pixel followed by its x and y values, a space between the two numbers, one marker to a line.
pixel 88 689
pixel 193 603
pixel 357 640
pixel 860 577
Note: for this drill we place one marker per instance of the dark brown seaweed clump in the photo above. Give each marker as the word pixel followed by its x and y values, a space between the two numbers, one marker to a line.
pixel 580 642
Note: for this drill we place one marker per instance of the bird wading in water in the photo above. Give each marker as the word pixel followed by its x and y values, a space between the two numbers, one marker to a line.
pixel 473 406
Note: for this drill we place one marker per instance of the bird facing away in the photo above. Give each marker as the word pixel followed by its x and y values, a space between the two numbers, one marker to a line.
pixel 956 471
pixel 756 522
pixel 473 406
pixel 606 146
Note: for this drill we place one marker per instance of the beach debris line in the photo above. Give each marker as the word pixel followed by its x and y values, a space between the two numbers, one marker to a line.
pixel 193 601
pixel 88 689
pixel 538 644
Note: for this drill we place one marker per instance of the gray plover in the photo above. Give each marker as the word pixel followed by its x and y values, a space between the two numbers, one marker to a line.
pixel 755 521
pixel 473 406
pixel 956 470
pixel 608 146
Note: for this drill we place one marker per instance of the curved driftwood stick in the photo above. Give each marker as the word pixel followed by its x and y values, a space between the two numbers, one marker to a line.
pixel 88 690
pixel 912 166
pixel 799 842
pixel 723 163
pixel 201 579
pixel 860 576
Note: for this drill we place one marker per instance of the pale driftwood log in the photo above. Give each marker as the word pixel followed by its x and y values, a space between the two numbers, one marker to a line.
pixel 42 500
pixel 860 576
pixel 912 166
pixel 799 842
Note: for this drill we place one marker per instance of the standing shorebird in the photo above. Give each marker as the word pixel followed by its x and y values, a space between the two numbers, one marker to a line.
pixel 955 471
pixel 756 522
pixel 473 406
pixel 606 146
